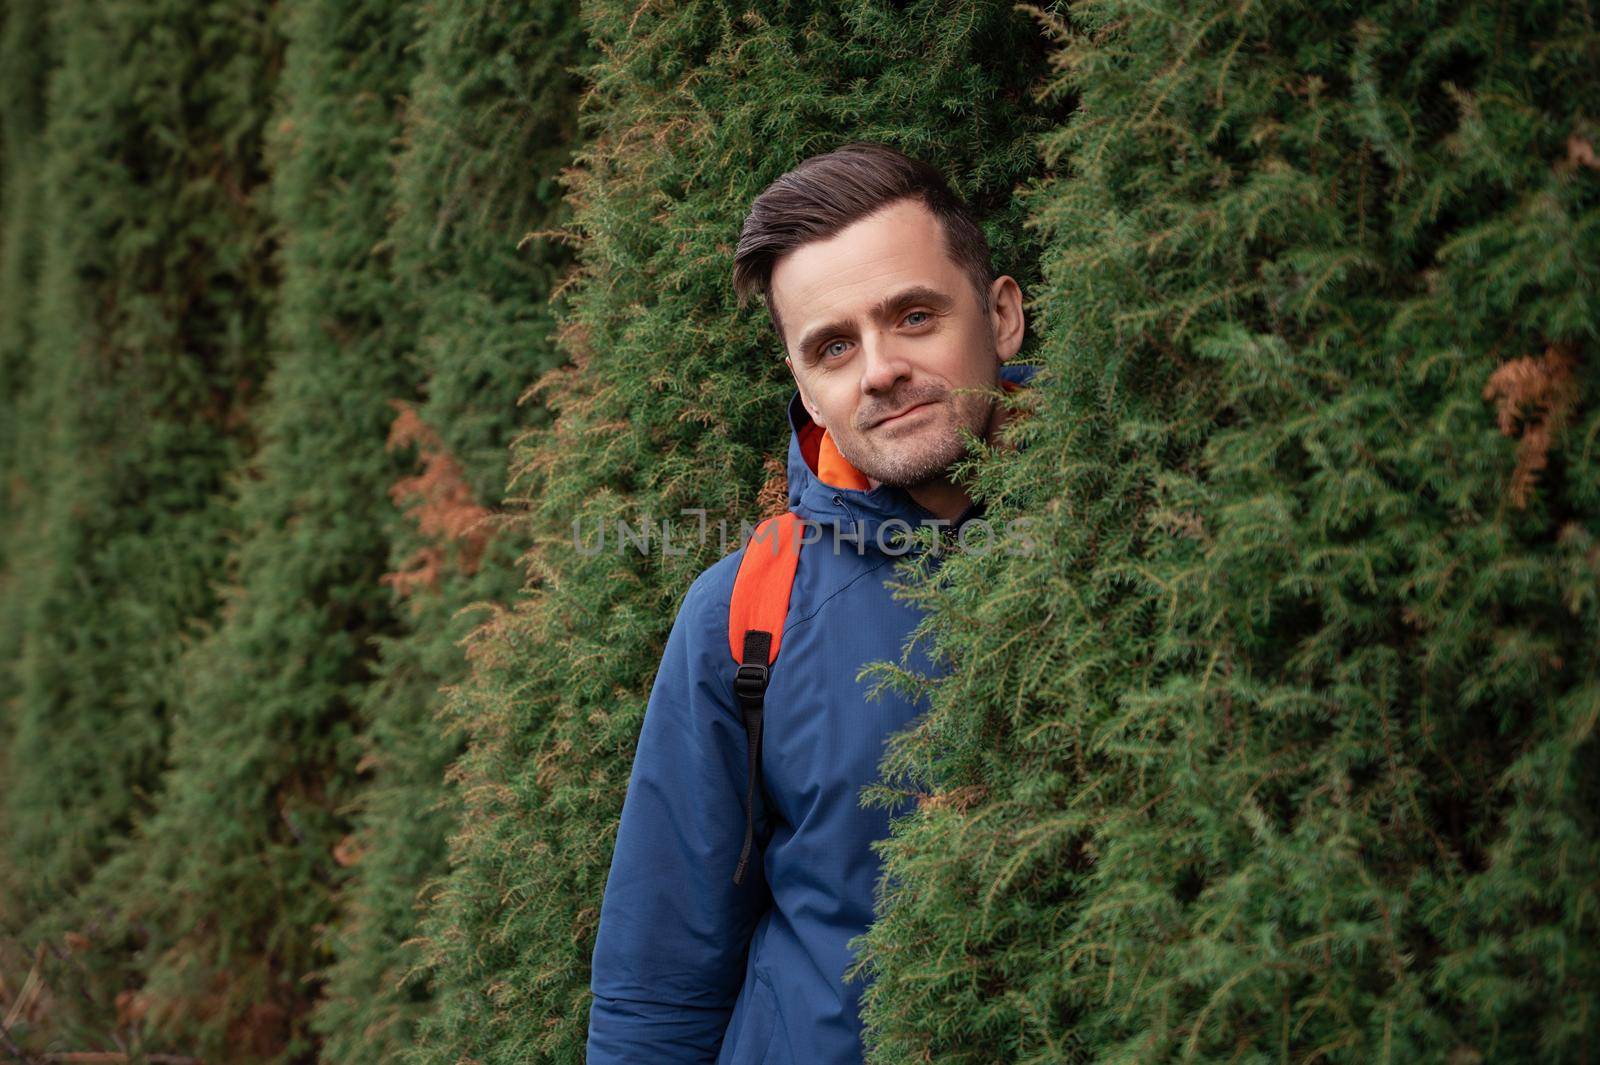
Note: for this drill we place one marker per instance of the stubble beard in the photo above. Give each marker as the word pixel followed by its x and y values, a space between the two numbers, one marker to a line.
pixel 917 455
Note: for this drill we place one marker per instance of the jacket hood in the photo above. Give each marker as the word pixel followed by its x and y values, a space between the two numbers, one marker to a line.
pixel 825 488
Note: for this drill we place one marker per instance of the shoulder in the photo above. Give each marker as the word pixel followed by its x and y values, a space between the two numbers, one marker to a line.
pixel 712 591
pixel 702 618
pixel 696 658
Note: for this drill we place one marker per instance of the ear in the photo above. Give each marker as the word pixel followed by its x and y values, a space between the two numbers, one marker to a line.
pixel 1006 320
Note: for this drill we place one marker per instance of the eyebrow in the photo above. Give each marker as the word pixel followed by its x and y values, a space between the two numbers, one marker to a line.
pixel 915 294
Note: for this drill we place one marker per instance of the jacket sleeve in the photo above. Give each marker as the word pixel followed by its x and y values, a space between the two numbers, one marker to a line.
pixel 674 930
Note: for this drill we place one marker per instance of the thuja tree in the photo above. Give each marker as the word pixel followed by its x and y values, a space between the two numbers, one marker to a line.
pixel 1280 747
pixel 672 402
pixel 491 121
pixel 26 59
pixel 231 881
pixel 25 65
pixel 139 311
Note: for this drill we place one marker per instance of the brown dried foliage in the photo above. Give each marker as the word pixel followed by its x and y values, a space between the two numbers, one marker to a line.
pixel 1534 395
pixel 441 505
pixel 958 799
pixel 259 1029
pixel 1581 153
pixel 348 851
pixel 773 497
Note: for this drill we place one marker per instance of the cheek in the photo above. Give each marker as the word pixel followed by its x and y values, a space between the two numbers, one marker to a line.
pixel 834 401
pixel 978 339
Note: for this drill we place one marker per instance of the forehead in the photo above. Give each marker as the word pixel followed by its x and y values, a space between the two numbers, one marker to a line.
pixel 843 276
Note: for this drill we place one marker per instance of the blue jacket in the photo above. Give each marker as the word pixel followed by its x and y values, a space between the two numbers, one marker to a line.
pixel 687 966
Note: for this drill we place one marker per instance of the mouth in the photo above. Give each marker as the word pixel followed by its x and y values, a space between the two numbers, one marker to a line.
pixel 893 418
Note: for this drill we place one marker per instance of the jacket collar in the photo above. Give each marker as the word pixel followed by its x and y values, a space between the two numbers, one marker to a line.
pixel 825 488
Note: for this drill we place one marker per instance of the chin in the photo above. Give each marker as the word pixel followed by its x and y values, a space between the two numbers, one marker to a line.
pixel 918 469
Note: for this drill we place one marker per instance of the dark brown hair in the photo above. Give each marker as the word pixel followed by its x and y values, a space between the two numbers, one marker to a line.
pixel 826 193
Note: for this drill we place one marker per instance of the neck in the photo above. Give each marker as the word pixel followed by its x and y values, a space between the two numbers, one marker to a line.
pixel 942 498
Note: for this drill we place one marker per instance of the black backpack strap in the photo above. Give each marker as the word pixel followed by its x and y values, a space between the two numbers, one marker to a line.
pixel 750 685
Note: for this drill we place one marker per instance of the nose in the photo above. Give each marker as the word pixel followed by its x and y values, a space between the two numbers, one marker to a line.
pixel 884 364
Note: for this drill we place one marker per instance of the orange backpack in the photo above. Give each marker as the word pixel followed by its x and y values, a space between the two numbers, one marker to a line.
pixel 755 628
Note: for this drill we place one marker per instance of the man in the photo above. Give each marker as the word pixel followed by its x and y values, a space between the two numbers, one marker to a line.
pixel 878 284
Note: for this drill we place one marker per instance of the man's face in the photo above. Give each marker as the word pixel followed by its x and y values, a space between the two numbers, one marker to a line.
pixel 882 330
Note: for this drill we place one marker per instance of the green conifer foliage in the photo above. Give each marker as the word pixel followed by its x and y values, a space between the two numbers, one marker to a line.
pixel 1280 748
pixel 132 346
pixel 673 402
pixel 230 886
pixel 492 120
pixel 26 61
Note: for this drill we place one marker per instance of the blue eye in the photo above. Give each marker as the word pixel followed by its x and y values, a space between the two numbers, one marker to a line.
pixel 913 314
pixel 829 347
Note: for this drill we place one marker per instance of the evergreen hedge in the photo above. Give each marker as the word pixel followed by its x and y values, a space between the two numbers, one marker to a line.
pixel 491 121
pixel 26 62
pixel 230 884
pixel 1283 748
pixel 1279 748
pixel 673 401
pixel 137 240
